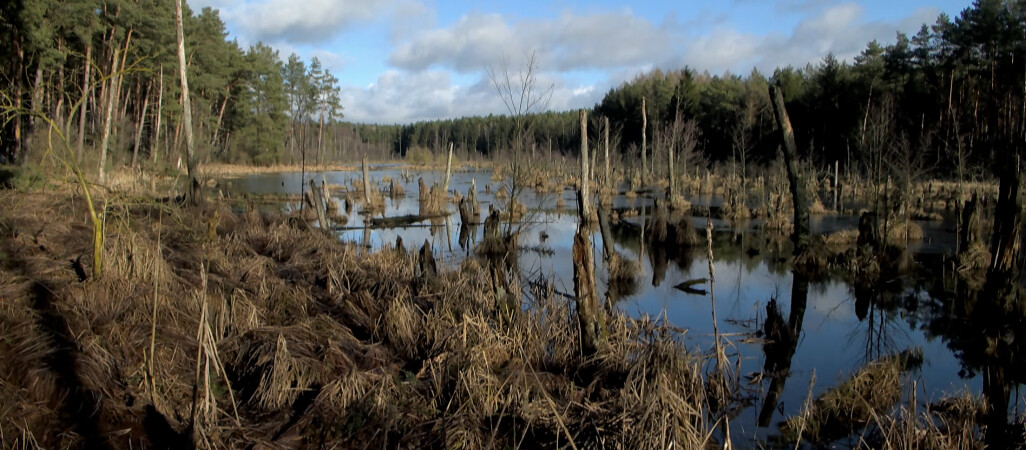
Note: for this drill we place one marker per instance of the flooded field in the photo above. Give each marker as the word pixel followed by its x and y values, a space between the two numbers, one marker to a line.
pixel 836 327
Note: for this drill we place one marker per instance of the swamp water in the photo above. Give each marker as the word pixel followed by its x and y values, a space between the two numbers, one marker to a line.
pixel 837 329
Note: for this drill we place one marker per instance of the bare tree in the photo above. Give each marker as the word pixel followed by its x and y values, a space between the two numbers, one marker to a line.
pixel 519 89
pixel 190 146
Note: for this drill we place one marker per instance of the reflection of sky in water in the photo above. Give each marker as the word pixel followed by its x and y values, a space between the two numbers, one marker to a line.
pixel 834 342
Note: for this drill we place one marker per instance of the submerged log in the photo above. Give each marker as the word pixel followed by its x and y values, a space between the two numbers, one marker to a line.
pixel 401 221
pixel 688 287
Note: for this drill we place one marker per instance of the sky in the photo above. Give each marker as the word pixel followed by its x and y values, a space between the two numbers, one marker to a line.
pixel 402 61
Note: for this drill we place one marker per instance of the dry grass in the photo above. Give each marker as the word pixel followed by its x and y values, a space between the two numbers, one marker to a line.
pixel 312 342
pixel 857 402
pixel 906 230
pixel 222 170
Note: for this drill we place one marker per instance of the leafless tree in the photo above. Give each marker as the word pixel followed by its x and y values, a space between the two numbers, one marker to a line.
pixel 518 88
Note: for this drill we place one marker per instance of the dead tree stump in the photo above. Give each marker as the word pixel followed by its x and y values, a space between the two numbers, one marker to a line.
pixel 589 315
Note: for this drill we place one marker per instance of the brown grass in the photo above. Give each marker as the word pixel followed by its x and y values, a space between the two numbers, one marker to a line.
pixel 312 342
pixel 855 403
pixel 221 170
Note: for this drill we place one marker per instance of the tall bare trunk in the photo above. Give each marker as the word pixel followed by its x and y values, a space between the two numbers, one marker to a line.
pixel 320 135
pixel 800 236
pixel 108 116
pixel 448 171
pixel 37 100
pixel 85 102
pixel 156 126
pixel 190 146
pixel 585 206
pixel 644 140
pixel 606 146
pixel 366 182
pixel 139 131
pixel 220 116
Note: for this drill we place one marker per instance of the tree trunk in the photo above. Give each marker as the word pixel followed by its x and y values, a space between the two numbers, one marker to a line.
pixel 644 140
pixel 220 116
pixel 800 236
pixel 585 207
pixel 367 184
pixel 320 135
pixel 108 117
pixel 318 203
pixel 448 171
pixel 672 178
pixel 156 126
pixel 138 134
pixel 606 147
pixel 37 100
pixel 589 315
pixel 608 247
pixel 190 146
pixel 86 89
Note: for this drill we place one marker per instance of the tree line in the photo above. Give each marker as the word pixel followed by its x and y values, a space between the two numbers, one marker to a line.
pixel 949 98
pixel 70 61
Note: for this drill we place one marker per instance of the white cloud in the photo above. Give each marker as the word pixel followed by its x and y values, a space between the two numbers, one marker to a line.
pixel 836 29
pixel 568 42
pixel 305 22
pixel 404 97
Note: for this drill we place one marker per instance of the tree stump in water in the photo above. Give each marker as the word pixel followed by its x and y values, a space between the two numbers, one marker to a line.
pixel 426 262
pixel 968 233
pixel 868 236
pixel 589 315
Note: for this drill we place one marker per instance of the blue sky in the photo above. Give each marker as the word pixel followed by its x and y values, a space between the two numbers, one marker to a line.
pixel 400 61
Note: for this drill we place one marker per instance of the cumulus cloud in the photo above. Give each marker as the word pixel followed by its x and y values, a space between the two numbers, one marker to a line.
pixel 310 21
pixel 567 42
pixel 837 29
pixel 404 97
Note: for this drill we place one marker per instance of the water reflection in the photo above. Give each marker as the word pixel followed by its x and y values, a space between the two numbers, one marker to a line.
pixel 832 324
pixel 781 341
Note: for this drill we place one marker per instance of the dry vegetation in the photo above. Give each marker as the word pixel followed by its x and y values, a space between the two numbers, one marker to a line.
pixel 221 330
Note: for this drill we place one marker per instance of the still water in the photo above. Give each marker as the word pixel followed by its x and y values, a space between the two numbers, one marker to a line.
pixel 839 329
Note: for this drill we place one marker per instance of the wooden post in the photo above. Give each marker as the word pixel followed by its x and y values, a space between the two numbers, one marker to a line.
pixel 448 171
pixel 800 236
pixel 644 141
pixel 366 182
pixel 585 192
pixel 589 315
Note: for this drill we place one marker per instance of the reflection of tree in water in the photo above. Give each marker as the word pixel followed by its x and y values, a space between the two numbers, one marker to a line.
pixel 660 256
pixel 877 307
pixel 987 337
pixel 781 342
pixel 468 234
